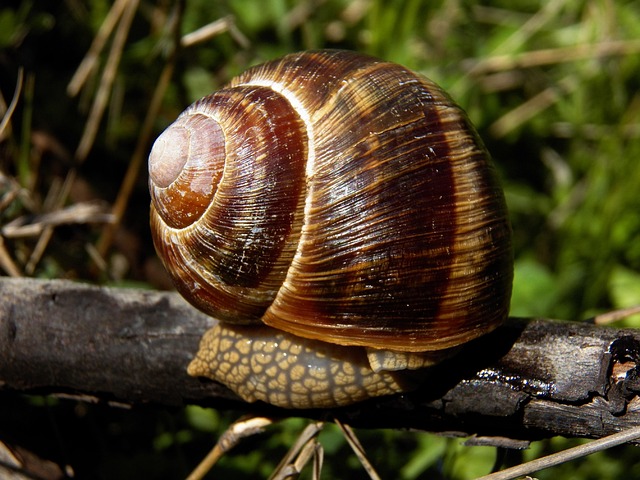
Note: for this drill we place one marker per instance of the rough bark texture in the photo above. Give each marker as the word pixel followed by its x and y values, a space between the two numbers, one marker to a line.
pixel 529 379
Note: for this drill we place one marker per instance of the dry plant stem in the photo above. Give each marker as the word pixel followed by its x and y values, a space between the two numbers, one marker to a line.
pixel 532 107
pixel 47 232
pixel 534 24
pixel 240 38
pixel 7 263
pixel 19 464
pixel 318 460
pixel 614 316
pixel 12 191
pixel 6 118
pixel 207 32
pixel 306 437
pixel 90 60
pixel 356 446
pixel 244 427
pixel 592 131
pixel 566 455
pixel 298 15
pixel 97 259
pixel 25 168
pixel 122 200
pixel 38 251
pixel 312 449
pixel 139 154
pixel 549 56
pixel 106 82
pixel 34 225
pixel 519 38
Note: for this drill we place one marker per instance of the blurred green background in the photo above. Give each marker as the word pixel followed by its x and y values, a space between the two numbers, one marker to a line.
pixel 552 87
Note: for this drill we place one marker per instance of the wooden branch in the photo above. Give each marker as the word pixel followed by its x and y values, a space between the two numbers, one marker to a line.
pixel 115 344
pixel 529 379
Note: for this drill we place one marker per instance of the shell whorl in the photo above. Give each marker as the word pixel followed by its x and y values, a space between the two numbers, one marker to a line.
pixel 243 241
pixel 384 225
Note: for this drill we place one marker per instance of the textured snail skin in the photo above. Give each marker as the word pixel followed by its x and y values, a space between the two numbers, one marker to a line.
pixel 338 198
pixel 262 363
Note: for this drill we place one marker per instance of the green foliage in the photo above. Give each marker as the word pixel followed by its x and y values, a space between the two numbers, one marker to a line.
pixel 562 122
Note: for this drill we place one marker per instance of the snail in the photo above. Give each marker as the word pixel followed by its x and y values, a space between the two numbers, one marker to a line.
pixel 341 218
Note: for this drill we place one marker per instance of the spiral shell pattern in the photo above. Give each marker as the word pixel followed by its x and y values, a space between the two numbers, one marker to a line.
pixel 336 197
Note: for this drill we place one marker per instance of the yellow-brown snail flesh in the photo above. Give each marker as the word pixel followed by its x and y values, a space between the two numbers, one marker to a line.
pixel 333 211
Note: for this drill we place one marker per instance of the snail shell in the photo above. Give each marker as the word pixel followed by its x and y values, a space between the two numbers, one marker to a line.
pixel 337 198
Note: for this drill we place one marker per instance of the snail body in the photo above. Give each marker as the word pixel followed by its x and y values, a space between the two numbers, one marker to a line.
pixel 346 203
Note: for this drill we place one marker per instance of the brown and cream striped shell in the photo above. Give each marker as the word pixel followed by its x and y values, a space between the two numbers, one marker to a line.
pixel 338 198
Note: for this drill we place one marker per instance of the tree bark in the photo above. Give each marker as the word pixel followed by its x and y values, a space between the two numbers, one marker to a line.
pixel 528 380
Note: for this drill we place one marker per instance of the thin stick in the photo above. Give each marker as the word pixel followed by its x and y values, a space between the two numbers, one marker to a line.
pixel 610 317
pixel 139 155
pixel 318 461
pixel 532 107
pixel 14 101
pixel 26 176
pixel 144 139
pixel 137 159
pixel 356 446
pixel 6 262
pixel 106 82
pixel 47 232
pixel 312 449
pixel 534 24
pixel 308 435
pixel 206 32
pixel 549 56
pixel 230 438
pixel 90 60
pixel 566 455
